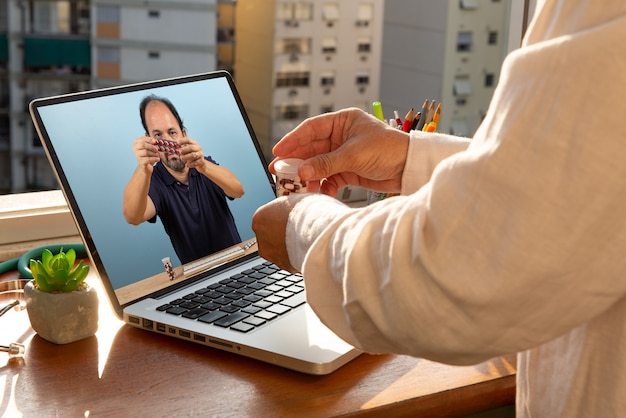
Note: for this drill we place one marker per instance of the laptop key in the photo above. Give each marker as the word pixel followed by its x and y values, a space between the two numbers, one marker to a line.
pixel 212 316
pixel 294 301
pixel 242 327
pixel 231 319
pixel 176 310
pixel 278 309
pixel 195 313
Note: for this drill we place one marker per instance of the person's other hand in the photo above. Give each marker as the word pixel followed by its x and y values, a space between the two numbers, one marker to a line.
pixel 347 147
pixel 191 152
pixel 269 224
pixel 146 152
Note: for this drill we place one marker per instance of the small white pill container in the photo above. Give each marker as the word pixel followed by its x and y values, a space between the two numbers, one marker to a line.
pixel 287 179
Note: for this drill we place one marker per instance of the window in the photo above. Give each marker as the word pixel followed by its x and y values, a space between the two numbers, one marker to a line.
pixel 468 4
pixel 292 79
pixel 292 112
pixel 284 11
pixel 293 46
pixel 364 45
pixel 459 127
pixel 489 79
pixel 108 54
pixel 303 11
pixel 154 14
pixel 108 14
pixel 462 86
pixel 327 79
pixel 327 108
pixel 329 45
pixel 492 37
pixel 364 14
pixel 294 11
pixel 464 41
pixel 330 12
pixel 154 54
pixel 362 79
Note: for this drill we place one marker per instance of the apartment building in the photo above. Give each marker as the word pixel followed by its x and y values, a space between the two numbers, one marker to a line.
pixel 50 47
pixel 296 59
pixel 448 51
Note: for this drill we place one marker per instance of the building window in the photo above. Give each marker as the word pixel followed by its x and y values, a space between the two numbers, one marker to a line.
pixel 327 79
pixel 327 108
pixel 464 41
pixel 364 14
pixel 459 127
pixel 330 12
pixel 489 79
pixel 492 37
pixel 468 4
pixel 329 45
pixel 292 112
pixel 294 11
pixel 364 45
pixel 154 54
pixel 108 54
pixel 462 86
pixel 293 46
pixel 108 14
pixel 292 79
pixel 154 14
pixel 362 79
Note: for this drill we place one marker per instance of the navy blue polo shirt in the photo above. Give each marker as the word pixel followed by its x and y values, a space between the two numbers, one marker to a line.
pixel 196 216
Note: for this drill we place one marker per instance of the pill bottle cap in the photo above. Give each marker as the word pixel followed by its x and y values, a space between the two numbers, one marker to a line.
pixel 287 166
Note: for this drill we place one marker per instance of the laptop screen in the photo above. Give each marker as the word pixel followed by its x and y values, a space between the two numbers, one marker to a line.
pixel 89 139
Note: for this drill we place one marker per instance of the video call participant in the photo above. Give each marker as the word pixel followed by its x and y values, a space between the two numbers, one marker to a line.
pixel 184 188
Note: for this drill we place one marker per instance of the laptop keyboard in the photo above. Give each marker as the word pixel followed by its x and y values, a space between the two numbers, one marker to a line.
pixel 243 301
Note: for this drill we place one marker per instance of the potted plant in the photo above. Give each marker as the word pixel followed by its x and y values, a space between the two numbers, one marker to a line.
pixel 61 306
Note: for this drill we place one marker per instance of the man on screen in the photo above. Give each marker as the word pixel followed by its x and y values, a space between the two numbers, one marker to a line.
pixel 175 181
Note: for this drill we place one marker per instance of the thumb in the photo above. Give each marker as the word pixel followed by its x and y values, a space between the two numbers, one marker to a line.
pixel 320 167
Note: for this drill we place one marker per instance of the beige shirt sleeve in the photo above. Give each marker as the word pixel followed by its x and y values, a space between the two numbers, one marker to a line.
pixel 499 247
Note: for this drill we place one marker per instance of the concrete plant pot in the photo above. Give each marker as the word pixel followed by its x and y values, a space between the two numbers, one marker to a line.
pixel 62 318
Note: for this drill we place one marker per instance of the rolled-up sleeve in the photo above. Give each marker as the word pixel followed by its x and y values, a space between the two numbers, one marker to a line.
pixel 494 247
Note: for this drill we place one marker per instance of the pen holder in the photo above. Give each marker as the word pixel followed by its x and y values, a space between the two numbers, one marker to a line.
pixel 287 179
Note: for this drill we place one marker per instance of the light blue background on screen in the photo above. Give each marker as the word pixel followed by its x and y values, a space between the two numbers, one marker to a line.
pixel 93 140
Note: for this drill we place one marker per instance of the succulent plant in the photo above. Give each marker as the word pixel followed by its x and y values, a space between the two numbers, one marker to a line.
pixel 57 273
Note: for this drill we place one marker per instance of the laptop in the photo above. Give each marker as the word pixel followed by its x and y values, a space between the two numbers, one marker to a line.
pixel 232 299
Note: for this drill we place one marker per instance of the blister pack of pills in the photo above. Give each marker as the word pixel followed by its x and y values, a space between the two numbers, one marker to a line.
pixel 165 145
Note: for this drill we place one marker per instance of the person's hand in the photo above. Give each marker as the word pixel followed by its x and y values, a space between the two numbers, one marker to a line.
pixel 146 152
pixel 269 224
pixel 191 152
pixel 347 147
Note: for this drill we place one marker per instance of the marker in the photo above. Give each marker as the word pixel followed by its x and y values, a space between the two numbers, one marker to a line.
pixel 378 110
pixel 407 120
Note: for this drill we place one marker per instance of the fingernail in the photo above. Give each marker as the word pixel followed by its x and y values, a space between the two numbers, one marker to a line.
pixel 306 171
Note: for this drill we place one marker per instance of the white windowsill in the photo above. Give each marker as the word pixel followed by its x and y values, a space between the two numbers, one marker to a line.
pixel 26 218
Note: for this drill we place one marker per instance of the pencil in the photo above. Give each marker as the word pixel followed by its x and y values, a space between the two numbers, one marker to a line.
pixel 422 120
pixel 416 120
pixel 407 120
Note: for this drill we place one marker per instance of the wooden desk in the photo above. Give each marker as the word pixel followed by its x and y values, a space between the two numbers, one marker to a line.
pixel 123 371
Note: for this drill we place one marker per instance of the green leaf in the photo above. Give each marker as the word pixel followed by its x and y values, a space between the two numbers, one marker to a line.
pixel 71 257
